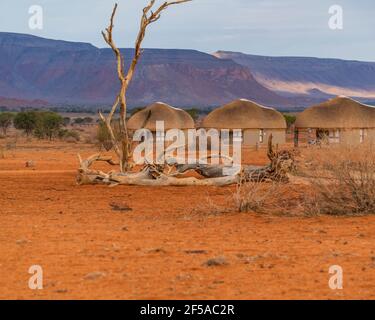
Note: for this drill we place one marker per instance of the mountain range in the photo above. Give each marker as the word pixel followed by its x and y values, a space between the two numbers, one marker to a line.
pixel 70 73
pixel 314 77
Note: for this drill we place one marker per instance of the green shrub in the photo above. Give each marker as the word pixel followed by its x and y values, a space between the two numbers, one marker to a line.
pixel 26 121
pixel 48 125
pixel 42 124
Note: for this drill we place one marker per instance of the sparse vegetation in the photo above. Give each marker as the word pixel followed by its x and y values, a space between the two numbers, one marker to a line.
pixel 41 124
pixel 6 120
pixel 69 135
pixel 257 196
pixel 103 136
pixel 343 181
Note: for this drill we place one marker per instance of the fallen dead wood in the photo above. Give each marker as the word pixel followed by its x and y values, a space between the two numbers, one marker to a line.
pixel 281 163
pixel 147 177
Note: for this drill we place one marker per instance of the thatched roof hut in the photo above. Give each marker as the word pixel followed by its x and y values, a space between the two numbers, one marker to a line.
pixel 244 114
pixel 338 113
pixel 173 118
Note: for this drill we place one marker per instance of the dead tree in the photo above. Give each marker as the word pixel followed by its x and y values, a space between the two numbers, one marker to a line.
pixel 122 147
pixel 167 174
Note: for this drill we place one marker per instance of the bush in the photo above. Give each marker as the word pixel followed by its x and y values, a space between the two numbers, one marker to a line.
pixel 48 125
pixel 69 135
pixel 273 197
pixel 42 124
pixel 26 121
pixel 6 120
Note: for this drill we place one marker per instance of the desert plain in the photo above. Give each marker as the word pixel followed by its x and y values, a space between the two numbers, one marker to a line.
pixel 130 242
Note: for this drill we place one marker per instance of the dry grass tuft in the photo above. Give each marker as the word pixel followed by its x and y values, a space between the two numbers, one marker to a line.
pixel 342 181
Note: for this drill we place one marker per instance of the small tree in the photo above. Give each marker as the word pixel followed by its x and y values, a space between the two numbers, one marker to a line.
pixel 49 125
pixel 26 121
pixel 6 119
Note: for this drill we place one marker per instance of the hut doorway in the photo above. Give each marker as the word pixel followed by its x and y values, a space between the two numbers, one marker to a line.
pixel 322 135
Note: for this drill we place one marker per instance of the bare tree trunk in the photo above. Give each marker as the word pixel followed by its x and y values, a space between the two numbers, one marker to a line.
pixel 122 149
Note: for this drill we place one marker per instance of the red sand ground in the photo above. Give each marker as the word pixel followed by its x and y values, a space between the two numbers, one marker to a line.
pixel 158 249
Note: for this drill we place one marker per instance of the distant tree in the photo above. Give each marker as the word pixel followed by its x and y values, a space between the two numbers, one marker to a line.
pixel 88 120
pixel 290 119
pixel 66 121
pixel 48 125
pixel 194 112
pixel 6 119
pixel 78 121
pixel 26 121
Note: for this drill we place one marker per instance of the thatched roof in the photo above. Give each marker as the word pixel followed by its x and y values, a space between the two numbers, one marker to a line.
pixel 244 114
pixel 338 113
pixel 173 118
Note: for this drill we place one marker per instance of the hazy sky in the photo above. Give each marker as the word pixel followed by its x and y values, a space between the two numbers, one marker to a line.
pixel 266 27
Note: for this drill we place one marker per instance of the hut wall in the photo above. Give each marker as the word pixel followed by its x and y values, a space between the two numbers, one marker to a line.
pixel 347 136
pixel 350 136
pixel 370 136
pixel 353 136
pixel 252 136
